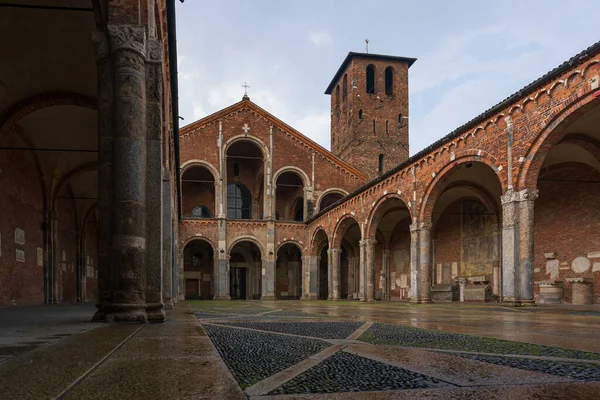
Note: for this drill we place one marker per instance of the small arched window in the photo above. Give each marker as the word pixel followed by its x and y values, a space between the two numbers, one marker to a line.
pixel 387 127
pixel 360 114
pixel 400 119
pixel 345 89
pixel 389 81
pixel 374 129
pixel 201 212
pixel 370 79
pixel 239 201
pixel 380 163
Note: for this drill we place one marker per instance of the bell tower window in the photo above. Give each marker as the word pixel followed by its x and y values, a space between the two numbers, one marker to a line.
pixel 389 81
pixel 370 78
pixel 380 163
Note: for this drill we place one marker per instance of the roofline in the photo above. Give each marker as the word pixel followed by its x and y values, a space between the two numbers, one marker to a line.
pixel 410 61
pixel 282 125
pixel 579 57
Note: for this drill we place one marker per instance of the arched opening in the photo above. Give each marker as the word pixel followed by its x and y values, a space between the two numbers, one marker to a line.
pixel 344 92
pixel 389 81
pixel 289 197
pixel 198 193
pixel 370 78
pixel 288 269
pixel 245 271
pixel 348 238
pixel 320 247
pixel 329 198
pixel 566 218
pixel 466 231
pixel 380 163
pixel 360 114
pixel 198 269
pixel 390 227
pixel 245 177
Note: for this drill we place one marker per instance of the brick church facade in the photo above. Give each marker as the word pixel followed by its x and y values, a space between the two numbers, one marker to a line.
pixel 504 208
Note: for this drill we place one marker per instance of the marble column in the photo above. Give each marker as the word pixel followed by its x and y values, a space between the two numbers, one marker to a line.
pixel 154 159
pixel 415 276
pixel 352 261
pixel 129 251
pixel 167 240
pixel 496 268
pixel 527 198
pixel 336 273
pixel 329 275
pixel 362 270
pixel 425 261
pixel 104 68
pixel 370 268
pixel 268 271
pixel 510 247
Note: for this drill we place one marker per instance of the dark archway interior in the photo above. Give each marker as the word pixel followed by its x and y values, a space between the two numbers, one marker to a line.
pixel 288 272
pixel 245 169
pixel 198 266
pixel 198 192
pixel 245 271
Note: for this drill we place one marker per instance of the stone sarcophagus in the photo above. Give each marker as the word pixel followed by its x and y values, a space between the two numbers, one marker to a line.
pixel 477 288
pixel 443 293
pixel 551 292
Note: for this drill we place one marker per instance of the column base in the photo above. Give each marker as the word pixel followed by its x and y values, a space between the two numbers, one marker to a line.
pixel 156 312
pixel 268 297
pixel 168 304
pixel 511 302
pixel 415 300
pixel 221 297
pixel 311 296
pixel 528 303
pixel 123 313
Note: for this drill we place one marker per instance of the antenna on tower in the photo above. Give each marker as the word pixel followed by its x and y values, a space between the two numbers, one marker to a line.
pixel 367 45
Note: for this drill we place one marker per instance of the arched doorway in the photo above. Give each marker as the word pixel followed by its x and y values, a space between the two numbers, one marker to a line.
pixel 320 248
pixel 245 180
pixel 198 267
pixel 245 265
pixel 347 282
pixel 288 270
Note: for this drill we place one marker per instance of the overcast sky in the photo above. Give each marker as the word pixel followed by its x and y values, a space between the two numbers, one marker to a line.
pixel 471 54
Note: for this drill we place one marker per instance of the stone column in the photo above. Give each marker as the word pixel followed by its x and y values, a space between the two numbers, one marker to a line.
pixel 268 271
pixel 128 252
pixel 221 268
pixel 385 274
pixel 351 277
pixel 462 284
pixel 310 267
pixel 425 261
pixel 329 275
pixel 104 68
pixel 336 273
pixel 80 267
pixel 167 241
pixel 510 247
pixel 370 268
pixel 415 277
pixel 49 256
pixel 362 270
pixel 527 198
pixel 496 269
pixel 154 159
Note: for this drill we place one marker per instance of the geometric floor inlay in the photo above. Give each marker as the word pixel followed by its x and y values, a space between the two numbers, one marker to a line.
pixel 573 370
pixel 427 338
pixel 323 330
pixel 345 372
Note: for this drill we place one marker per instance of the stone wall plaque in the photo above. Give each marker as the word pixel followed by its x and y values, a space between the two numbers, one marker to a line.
pixel 19 236
pixel 40 257
pixel 20 255
pixel 580 264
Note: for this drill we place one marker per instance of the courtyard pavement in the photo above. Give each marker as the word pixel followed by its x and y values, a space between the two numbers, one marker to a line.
pixel 304 350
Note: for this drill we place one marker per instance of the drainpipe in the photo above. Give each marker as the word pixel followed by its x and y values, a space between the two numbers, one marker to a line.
pixel 171 29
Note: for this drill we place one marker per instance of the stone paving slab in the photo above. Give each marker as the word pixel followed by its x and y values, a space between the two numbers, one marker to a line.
pixel 49 370
pixel 431 339
pixel 323 330
pixel 253 356
pixel 449 368
pixel 345 372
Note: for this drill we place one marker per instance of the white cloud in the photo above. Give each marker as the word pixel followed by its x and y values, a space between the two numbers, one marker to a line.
pixel 319 37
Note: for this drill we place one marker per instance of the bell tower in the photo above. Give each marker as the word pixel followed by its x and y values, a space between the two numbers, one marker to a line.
pixel 369 111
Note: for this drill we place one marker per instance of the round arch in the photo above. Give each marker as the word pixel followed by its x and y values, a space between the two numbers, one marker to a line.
pixel 344 222
pixel 290 241
pixel 200 238
pixel 87 214
pixel 549 135
pixel 290 168
pixel 330 191
pixel 371 227
pixel 240 138
pixel 436 187
pixel 247 238
pixel 82 169
pixel 200 163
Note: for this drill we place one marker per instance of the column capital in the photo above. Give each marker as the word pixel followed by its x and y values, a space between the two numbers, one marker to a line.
pixel 154 51
pixel 425 226
pixel 127 37
pixel 368 242
pixel 527 194
pixel 334 251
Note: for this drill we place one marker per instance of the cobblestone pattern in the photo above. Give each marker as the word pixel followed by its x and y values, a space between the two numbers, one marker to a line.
pixel 324 330
pixel 579 371
pixel 345 372
pixel 253 356
pixel 294 314
pixel 426 338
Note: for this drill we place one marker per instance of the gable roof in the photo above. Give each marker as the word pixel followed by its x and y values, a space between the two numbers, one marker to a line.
pixel 410 61
pixel 245 102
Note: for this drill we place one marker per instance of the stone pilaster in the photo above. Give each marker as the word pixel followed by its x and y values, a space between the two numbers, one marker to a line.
pixel 352 261
pixel 268 269
pixel 104 70
pixel 336 273
pixel 167 241
pixel 425 261
pixel 221 269
pixel 329 276
pixel 415 276
pixel 310 269
pixel 362 270
pixel 154 159
pixel 370 268
pixel 129 251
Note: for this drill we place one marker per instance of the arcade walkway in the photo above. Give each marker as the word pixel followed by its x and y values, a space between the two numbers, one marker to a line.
pixel 297 349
